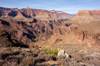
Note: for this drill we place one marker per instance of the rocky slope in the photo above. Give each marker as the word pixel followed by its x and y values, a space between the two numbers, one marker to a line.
pixel 32 13
pixel 26 31
pixel 87 16
pixel 89 12
pixel 20 33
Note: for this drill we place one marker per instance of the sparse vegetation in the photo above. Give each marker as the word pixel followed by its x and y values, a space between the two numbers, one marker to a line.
pixel 51 52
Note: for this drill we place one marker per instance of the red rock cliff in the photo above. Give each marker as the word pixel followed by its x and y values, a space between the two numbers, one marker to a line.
pixel 88 12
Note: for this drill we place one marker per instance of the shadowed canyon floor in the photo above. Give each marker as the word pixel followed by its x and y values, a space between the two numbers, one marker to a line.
pixel 34 37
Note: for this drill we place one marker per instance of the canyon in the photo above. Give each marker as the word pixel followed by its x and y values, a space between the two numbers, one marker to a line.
pixel 26 31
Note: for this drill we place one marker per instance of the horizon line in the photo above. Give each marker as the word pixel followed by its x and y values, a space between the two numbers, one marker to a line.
pixel 49 9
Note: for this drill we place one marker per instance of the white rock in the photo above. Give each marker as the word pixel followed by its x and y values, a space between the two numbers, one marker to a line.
pixel 66 55
pixel 62 54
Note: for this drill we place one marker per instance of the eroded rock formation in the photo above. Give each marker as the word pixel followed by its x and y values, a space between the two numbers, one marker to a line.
pixel 32 13
pixel 25 32
pixel 89 12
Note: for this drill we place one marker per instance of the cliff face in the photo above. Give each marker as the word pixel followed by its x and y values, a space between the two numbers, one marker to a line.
pixel 89 12
pixel 28 35
pixel 4 11
pixel 23 33
pixel 87 16
pixel 45 26
pixel 38 25
pixel 32 13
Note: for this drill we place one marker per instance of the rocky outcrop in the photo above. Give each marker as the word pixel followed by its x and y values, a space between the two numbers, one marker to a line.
pixel 32 13
pixel 22 40
pixel 86 16
pixel 44 26
pixel 21 33
pixel 26 34
pixel 23 27
pixel 4 11
pixel 89 12
pixel 23 56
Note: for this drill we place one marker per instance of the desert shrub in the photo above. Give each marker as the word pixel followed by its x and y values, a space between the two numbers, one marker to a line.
pixel 51 52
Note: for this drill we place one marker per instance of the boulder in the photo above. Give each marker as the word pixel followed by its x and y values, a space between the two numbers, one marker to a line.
pixel 62 54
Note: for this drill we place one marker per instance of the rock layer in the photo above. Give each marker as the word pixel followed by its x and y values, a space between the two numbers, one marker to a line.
pixel 22 31
pixel 32 13
pixel 89 12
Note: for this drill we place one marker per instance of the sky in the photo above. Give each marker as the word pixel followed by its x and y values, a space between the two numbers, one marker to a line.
pixel 69 6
